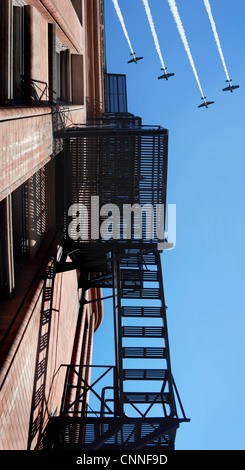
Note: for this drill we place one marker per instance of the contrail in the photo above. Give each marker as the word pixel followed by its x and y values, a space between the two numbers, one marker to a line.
pixel 208 8
pixel 181 30
pixel 119 14
pixel 154 34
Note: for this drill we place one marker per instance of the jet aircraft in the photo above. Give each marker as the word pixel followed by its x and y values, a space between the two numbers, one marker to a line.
pixel 230 87
pixel 134 59
pixel 205 103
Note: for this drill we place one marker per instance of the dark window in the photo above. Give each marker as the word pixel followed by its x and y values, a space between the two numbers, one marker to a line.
pixel 52 63
pixel 18 61
pixel 116 93
pixel 20 226
pixel 63 75
pixel 3 252
pixel 7 278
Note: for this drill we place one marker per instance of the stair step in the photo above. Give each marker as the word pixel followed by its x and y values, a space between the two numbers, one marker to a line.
pixel 146 397
pixel 136 274
pixel 134 258
pixel 144 374
pixel 147 293
pixel 149 353
pixel 143 331
pixel 147 312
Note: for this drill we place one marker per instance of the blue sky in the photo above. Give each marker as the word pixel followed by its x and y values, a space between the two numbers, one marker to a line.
pixel 204 275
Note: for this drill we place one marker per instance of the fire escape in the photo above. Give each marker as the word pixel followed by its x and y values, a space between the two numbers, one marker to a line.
pixel 132 403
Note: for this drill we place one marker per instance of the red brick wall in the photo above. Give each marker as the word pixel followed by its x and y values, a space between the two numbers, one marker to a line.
pixel 37 343
pixel 63 14
pixel 57 349
pixel 94 54
pixel 16 391
pixel 20 384
pixel 40 339
pixel 32 381
pixel 27 144
pixel 39 59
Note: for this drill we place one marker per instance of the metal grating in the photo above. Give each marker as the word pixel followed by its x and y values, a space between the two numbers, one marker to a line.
pixel 146 312
pixel 100 422
pixel 122 162
pixel 144 374
pixel 131 274
pixel 151 293
pixel 143 397
pixel 110 434
pixel 143 331
pixel 149 353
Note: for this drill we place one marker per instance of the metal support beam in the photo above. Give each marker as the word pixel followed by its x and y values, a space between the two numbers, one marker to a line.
pixel 165 428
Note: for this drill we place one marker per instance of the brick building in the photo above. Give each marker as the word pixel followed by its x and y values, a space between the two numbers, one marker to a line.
pixel 67 138
pixel 51 77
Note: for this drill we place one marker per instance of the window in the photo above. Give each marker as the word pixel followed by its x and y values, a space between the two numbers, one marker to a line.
pixel 14 239
pixel 7 280
pixel 52 63
pixel 26 216
pixel 13 47
pixel 116 93
pixel 5 243
pixel 18 52
pixel 63 73
pixel 20 227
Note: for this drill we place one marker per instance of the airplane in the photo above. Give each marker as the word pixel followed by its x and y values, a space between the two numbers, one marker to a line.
pixel 166 75
pixel 135 59
pixel 230 87
pixel 205 103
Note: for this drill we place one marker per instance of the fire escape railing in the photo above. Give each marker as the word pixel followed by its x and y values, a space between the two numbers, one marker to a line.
pixel 133 404
pixel 108 412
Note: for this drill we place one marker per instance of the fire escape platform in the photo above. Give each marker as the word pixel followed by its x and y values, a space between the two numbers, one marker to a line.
pixel 70 433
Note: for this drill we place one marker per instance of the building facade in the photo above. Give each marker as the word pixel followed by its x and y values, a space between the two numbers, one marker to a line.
pixel 51 77
pixel 69 146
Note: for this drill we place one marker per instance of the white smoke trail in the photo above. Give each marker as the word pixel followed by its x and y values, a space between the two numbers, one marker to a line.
pixel 181 30
pixel 119 14
pixel 154 34
pixel 210 15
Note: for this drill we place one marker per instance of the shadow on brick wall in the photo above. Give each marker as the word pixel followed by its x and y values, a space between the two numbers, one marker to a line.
pixel 38 395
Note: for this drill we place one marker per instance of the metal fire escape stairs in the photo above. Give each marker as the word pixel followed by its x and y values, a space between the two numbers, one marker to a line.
pixel 137 406
pixel 133 403
pixel 154 401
